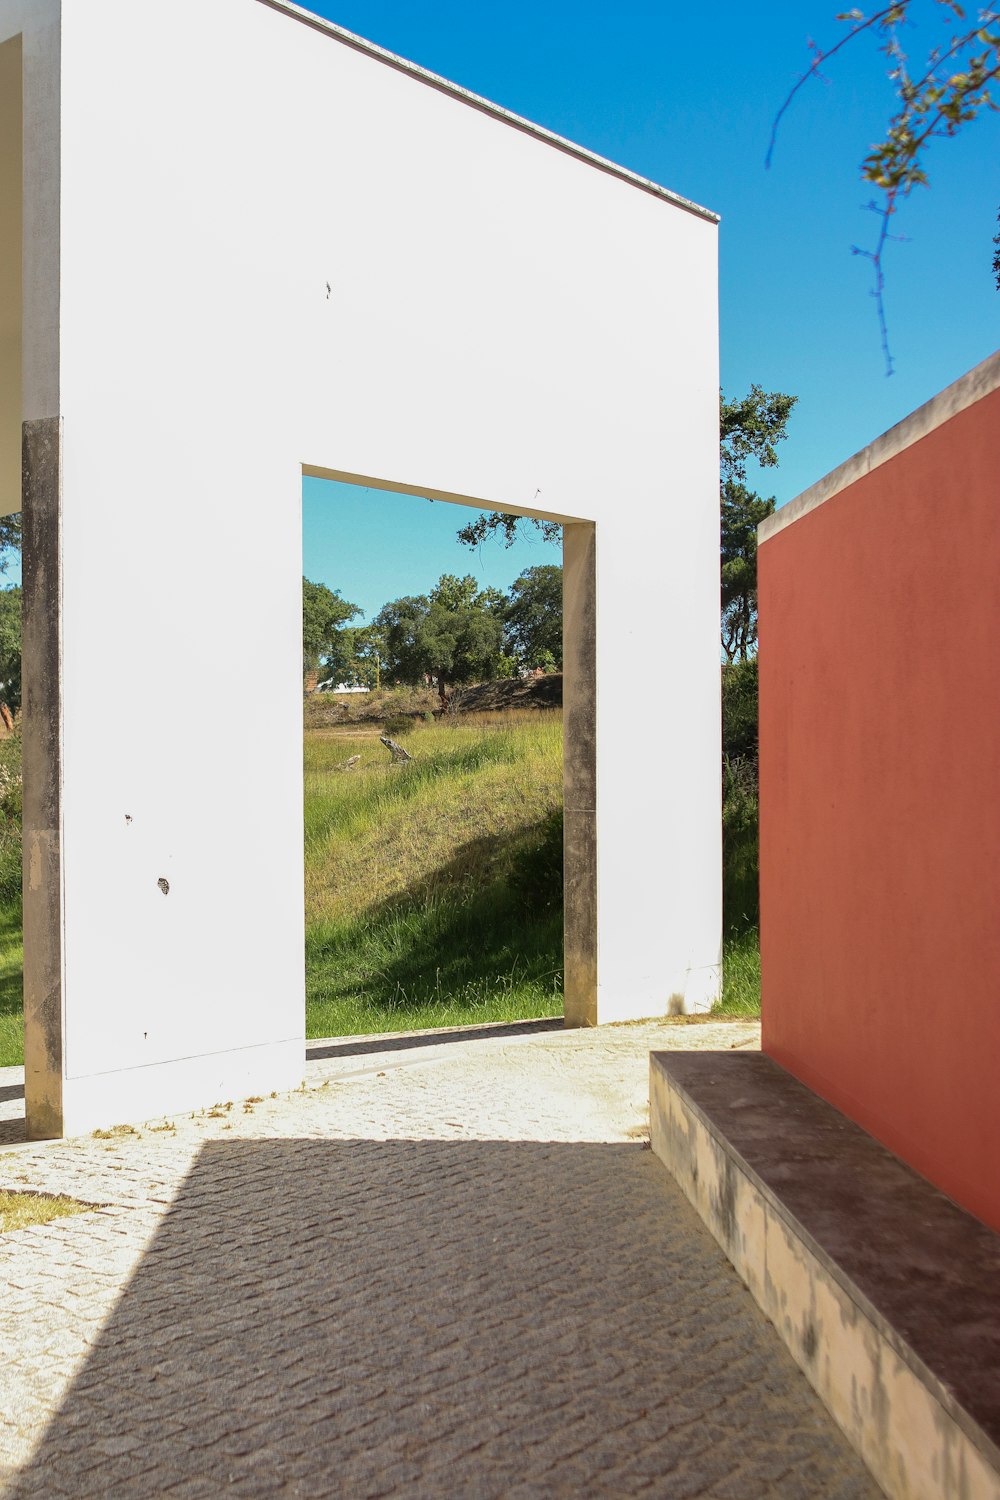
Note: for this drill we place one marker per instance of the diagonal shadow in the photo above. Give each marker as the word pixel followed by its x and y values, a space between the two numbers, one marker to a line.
pixel 421 1318
pixel 404 1041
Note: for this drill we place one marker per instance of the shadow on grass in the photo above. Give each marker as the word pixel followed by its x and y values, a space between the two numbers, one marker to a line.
pixel 479 940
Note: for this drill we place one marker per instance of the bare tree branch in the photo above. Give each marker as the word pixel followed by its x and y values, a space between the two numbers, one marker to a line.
pixel 934 106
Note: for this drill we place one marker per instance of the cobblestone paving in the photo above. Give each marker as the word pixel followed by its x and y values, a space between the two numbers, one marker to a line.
pixel 451 1270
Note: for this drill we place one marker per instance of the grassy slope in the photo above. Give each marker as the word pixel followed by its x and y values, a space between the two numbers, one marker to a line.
pixel 433 890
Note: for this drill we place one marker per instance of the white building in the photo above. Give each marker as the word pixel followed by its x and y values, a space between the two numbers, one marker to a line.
pixel 256 247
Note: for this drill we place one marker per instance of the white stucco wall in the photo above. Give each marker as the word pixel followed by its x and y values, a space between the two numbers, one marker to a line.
pixel 276 251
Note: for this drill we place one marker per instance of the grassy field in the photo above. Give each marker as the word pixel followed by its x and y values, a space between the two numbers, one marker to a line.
pixel 434 889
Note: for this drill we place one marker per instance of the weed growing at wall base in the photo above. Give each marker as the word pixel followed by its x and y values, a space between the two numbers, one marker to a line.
pixel 741 975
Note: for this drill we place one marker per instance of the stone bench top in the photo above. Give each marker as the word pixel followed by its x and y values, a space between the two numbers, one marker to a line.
pixel 924 1270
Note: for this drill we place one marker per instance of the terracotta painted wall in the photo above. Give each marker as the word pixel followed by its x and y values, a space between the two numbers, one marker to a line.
pixel 880 803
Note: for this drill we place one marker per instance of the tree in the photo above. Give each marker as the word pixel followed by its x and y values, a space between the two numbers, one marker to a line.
pixel 325 643
pixel 369 652
pixel 454 634
pixel 10 648
pixel 505 528
pixel 949 89
pixel 749 429
pixel 533 617
pixel 10 539
pixel 742 513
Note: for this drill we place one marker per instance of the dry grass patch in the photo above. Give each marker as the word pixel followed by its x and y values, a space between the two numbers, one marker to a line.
pixel 378 830
pixel 18 1210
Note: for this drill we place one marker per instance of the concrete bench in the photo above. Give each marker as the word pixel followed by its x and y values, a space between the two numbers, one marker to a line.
pixel 886 1293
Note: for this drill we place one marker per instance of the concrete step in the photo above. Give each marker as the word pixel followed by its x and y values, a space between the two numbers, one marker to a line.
pixel 886 1293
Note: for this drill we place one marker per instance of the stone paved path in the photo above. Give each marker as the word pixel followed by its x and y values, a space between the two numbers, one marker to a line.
pixel 446 1270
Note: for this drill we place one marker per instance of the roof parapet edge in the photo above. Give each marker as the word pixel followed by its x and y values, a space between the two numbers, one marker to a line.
pixel 486 106
pixel 978 382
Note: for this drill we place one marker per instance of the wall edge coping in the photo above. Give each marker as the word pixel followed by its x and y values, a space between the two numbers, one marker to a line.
pixel 977 383
pixel 486 106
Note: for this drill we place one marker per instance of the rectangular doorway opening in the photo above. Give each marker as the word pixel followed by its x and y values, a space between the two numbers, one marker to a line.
pixel 433 753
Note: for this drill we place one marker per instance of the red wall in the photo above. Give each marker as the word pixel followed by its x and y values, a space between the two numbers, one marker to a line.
pixel 880 803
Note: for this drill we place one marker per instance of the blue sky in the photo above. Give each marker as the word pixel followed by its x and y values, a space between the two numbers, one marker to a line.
pixel 688 101
pixel 373 545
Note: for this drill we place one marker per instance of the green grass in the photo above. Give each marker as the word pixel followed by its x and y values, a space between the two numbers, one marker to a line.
pixel 11 971
pixel 379 831
pixel 450 960
pixel 434 889
pixel 740 975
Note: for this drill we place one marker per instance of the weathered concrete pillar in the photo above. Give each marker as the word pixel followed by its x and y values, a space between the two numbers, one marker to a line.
pixel 580 772
pixel 42 801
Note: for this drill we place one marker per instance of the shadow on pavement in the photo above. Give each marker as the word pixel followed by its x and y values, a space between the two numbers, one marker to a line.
pixel 404 1040
pixel 422 1318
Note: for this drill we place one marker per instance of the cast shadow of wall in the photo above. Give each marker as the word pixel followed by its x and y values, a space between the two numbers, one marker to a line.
pixel 424 1318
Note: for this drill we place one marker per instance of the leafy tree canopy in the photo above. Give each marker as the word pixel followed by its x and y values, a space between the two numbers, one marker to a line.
pixel 506 528
pixel 10 648
pixel 453 635
pixel 10 539
pixel 739 711
pixel 749 429
pixel 10 617
pixel 325 643
pixel 456 594
pixel 533 617
pixel 369 653
pixel 742 513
